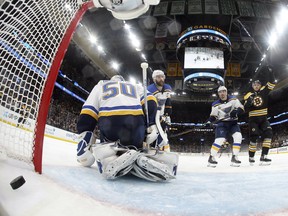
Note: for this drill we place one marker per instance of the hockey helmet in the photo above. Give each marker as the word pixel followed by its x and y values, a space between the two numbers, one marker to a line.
pixel 157 73
pixel 117 78
pixel 257 81
pixel 222 88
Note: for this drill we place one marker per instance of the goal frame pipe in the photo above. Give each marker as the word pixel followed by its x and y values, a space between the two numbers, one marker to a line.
pixel 49 86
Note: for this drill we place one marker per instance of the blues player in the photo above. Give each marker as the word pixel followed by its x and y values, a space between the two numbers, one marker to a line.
pixel 116 106
pixel 225 111
pixel 162 92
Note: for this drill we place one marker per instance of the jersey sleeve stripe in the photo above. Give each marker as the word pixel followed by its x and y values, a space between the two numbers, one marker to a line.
pixel 148 94
pixel 90 113
pixel 247 95
pixel 92 108
pixel 149 98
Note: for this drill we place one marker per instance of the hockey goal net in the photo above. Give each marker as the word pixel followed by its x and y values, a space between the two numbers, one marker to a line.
pixel 34 36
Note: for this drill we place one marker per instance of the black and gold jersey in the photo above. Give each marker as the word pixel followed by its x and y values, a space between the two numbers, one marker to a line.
pixel 258 101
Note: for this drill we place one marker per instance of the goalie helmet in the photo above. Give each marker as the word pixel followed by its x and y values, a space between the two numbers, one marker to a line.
pixel 157 73
pixel 117 78
pixel 126 9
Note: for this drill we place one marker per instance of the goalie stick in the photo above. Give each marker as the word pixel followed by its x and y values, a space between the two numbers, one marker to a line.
pixel 144 67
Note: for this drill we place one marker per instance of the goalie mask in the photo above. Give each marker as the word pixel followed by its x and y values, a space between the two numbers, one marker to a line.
pixel 126 9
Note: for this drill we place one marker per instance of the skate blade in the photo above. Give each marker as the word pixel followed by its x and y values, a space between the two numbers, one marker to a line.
pixel 252 164
pixel 235 165
pixel 264 163
pixel 211 165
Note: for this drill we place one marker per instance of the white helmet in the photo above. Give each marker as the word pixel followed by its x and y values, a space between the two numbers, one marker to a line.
pixel 222 88
pixel 117 78
pixel 157 73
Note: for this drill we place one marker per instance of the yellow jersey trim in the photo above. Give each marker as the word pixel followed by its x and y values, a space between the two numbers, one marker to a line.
pixel 121 112
pixel 89 112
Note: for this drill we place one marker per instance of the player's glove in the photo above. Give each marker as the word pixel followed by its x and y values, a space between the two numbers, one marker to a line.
pixel 168 120
pixel 152 134
pixel 234 113
pixel 249 101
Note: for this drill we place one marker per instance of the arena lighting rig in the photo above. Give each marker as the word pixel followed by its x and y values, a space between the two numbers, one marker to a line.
pixel 204 52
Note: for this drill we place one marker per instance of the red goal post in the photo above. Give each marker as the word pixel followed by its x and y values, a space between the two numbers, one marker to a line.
pixel 34 37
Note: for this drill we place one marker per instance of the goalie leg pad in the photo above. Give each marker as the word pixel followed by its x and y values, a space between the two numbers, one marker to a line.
pixel 168 158
pixel 111 165
pixel 144 174
pixel 121 165
pixel 154 170
pixel 102 151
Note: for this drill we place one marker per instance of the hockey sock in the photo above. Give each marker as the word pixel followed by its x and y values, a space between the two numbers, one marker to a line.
pixel 267 143
pixel 214 149
pixel 217 145
pixel 236 148
pixel 252 149
pixel 265 151
pixel 266 146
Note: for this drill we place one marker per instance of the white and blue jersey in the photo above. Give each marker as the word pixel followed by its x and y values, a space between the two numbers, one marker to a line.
pixel 118 108
pixel 222 109
pixel 163 97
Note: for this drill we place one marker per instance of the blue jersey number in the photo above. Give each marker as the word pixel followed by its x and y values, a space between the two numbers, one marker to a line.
pixel 126 89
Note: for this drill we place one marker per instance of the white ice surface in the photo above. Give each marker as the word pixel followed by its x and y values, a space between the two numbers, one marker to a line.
pixel 65 188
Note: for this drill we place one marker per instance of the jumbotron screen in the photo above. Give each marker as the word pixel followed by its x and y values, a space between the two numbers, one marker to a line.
pixel 203 57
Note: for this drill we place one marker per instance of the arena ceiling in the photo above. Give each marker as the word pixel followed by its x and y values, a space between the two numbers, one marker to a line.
pixel 101 39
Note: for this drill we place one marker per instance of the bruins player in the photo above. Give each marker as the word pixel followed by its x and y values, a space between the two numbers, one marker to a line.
pixel 256 102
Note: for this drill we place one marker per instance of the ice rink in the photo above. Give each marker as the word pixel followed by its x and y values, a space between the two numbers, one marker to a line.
pixel 65 188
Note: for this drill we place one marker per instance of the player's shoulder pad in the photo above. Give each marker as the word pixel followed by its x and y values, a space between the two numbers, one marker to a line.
pixel 231 97
pixel 216 103
pixel 152 88
pixel 167 87
pixel 102 82
pixel 263 87
pixel 247 95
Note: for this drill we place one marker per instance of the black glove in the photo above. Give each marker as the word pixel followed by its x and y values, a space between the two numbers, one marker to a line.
pixel 249 101
pixel 234 113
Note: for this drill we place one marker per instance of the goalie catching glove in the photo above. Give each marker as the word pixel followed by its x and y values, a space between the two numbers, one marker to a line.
pixel 84 149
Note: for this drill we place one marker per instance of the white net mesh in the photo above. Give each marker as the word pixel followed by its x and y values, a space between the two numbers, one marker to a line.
pixel 30 34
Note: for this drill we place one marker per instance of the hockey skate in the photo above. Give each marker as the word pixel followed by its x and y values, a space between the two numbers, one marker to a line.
pixel 264 161
pixel 251 161
pixel 212 162
pixel 235 162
